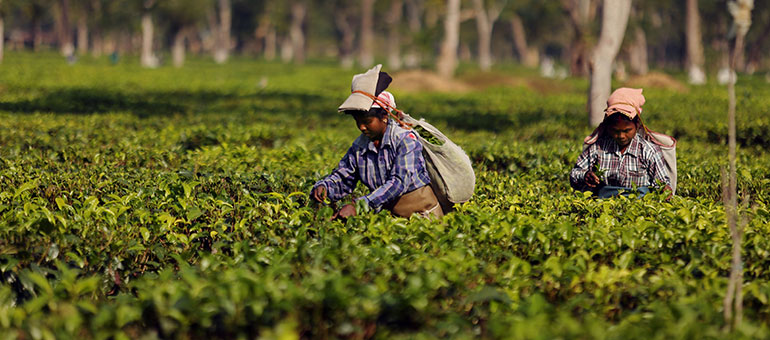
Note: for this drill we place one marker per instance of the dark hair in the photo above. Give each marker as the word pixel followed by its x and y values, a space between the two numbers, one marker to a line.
pixel 618 117
pixel 373 112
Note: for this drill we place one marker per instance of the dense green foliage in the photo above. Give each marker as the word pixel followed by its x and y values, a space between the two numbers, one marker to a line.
pixel 173 203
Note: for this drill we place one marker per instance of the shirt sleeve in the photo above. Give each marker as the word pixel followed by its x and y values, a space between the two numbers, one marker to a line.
pixel 343 179
pixel 404 171
pixel 657 170
pixel 583 164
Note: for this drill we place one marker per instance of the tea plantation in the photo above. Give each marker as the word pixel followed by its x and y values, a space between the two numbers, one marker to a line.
pixel 173 203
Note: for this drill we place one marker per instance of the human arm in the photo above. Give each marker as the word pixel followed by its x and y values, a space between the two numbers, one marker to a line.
pixel 407 164
pixel 340 182
pixel 346 211
pixel 581 176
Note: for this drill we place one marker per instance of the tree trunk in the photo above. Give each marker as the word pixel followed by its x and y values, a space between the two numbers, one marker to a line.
pixel 296 32
pixel 484 29
pixel 366 52
pixel 178 48
pixel 447 59
pixel 2 38
pixel 271 44
pixel 82 34
pixel 614 19
pixel 97 41
pixel 394 34
pixel 638 60
pixel 65 34
pixel 755 50
pixel 97 44
pixel 260 33
pixel 527 56
pixel 148 58
pixel 347 38
pixel 581 13
pixel 222 44
pixel 414 15
pixel 37 34
pixel 287 50
pixel 414 12
pixel 194 42
pixel 695 57
pixel 733 302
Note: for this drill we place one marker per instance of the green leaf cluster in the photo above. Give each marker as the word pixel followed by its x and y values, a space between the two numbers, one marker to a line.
pixel 159 203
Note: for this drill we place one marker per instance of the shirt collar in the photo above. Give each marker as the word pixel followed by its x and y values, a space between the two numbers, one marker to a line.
pixel 634 147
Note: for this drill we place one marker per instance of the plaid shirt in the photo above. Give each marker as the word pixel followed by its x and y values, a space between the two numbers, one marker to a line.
pixel 640 165
pixel 393 169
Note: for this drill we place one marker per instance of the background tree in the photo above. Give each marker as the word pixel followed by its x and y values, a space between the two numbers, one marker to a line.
pixel 80 10
pixel 148 58
pixel 266 31
pixel 409 33
pixel 733 301
pixel 527 56
pixel 447 59
pixel 695 58
pixel 537 27
pixel 636 42
pixel 614 19
pixel 366 44
pixel 221 31
pixel 581 15
pixel 758 39
pixel 345 13
pixel 297 31
pixel 63 28
pixel 2 29
pixel 181 18
pixel 415 10
pixel 393 21
pixel 487 12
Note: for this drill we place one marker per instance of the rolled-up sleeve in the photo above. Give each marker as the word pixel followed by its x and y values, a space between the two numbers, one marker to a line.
pixel 342 180
pixel 582 166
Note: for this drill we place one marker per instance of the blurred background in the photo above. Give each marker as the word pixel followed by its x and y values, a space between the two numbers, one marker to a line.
pixel 556 37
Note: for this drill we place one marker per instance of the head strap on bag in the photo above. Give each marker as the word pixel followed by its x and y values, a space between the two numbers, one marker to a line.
pixel 389 108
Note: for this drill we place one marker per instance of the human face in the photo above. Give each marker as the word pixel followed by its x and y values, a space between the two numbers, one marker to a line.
pixel 623 132
pixel 371 126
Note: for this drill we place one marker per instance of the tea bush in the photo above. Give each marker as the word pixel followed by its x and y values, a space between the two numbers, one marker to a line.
pixel 174 204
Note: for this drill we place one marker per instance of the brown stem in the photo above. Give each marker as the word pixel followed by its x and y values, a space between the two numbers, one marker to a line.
pixel 734 295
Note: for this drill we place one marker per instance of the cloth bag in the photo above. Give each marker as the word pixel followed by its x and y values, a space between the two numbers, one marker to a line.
pixel 667 145
pixel 451 173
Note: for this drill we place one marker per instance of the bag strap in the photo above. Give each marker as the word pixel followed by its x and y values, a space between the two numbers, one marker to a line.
pixel 388 107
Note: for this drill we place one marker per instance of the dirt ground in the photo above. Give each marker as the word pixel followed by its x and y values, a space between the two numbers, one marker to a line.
pixel 657 80
pixel 427 81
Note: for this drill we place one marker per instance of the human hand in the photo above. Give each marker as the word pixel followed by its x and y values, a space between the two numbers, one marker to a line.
pixel 346 211
pixel 591 179
pixel 319 194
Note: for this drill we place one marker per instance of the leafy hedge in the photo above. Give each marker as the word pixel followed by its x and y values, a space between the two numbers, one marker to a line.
pixel 173 204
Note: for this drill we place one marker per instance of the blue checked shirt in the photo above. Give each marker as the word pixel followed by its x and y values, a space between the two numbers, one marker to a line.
pixel 393 169
pixel 640 165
